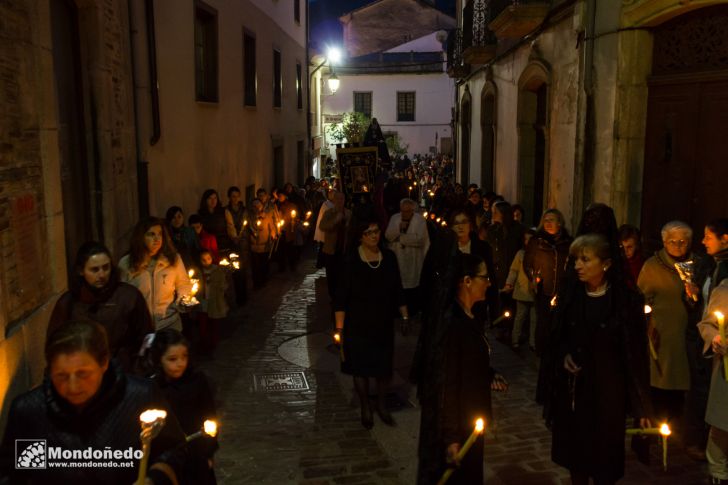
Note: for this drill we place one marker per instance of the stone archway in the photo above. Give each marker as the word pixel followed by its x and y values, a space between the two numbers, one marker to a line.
pixel 488 113
pixel 533 121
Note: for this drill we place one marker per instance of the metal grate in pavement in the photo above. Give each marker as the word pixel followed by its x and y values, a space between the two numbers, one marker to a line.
pixel 285 381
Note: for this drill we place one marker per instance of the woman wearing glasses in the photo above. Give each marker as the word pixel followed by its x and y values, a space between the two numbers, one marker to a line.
pixel 369 295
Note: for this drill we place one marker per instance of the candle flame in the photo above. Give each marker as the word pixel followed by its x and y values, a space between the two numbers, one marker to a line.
pixel 150 416
pixel 236 265
pixel 337 338
pixel 719 315
pixel 415 184
pixel 234 256
pixel 648 309
pixel 210 427
pixel 224 262
pixel 410 187
pixel 444 224
pixel 424 215
pixel 553 301
pixel 308 214
pixel 191 273
pixel 507 314
pixel 479 425
pixel 293 213
pixel 438 220
pixel 195 288
pixel 306 224
pixel 257 223
pixel 665 430
pixel 245 222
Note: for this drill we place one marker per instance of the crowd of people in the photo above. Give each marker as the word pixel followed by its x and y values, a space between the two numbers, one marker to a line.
pixel 617 334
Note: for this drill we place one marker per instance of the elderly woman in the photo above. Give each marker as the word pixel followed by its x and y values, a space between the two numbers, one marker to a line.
pixel 409 241
pixel 86 403
pixel 97 295
pixel 155 268
pixel 369 294
pixel 664 291
pixel 462 382
pixel 602 367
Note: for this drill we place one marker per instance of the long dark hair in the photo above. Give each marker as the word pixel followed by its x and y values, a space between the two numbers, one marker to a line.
pixel 203 202
pixel 163 340
pixel 171 212
pixel 88 249
pixel 506 212
pixel 137 248
pixel 719 227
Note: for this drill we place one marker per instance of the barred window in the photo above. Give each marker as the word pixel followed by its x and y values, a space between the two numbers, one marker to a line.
pixel 205 52
pixel 363 103
pixel 406 106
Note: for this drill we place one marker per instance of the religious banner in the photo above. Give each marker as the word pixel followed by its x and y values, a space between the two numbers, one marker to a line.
pixel 357 169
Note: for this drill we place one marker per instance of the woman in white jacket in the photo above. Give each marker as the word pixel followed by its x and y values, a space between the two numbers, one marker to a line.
pixel 157 271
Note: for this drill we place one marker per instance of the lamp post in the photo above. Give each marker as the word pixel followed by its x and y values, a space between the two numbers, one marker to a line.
pixel 332 56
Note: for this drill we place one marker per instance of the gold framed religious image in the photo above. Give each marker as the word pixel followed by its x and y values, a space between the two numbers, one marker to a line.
pixel 357 169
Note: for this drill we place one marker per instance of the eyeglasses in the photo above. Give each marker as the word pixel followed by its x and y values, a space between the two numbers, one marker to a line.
pixel 679 243
pixel 371 232
pixel 484 276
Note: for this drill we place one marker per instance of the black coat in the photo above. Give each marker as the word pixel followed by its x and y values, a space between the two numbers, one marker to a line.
pixel 607 337
pixel 505 241
pixel 192 402
pixel 119 307
pixel 461 383
pixel 110 419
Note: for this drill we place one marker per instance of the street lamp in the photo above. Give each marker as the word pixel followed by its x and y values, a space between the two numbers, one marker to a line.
pixel 333 83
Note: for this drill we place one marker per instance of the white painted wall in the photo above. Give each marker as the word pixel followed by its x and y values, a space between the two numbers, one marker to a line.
pixel 225 143
pixel 427 43
pixel 435 94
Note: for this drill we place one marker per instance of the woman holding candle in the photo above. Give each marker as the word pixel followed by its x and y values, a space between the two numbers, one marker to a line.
pixel 97 295
pixel 716 245
pixel 212 217
pixel 155 268
pixel 87 402
pixel 600 346
pixel 369 293
pixel 459 383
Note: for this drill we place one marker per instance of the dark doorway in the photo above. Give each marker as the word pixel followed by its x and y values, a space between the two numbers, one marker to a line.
pixel 465 124
pixel 532 125
pixel 686 156
pixel 75 170
pixel 487 126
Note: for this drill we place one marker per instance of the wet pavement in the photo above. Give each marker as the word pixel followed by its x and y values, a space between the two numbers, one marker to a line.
pixel 288 416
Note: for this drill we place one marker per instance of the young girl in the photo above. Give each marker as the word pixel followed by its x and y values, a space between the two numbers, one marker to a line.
pixel 213 305
pixel 517 282
pixel 189 395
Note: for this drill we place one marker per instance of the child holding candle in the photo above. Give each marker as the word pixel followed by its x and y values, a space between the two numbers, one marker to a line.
pixel 213 307
pixel 190 397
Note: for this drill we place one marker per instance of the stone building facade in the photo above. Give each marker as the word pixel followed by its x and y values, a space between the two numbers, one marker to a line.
pixel 67 162
pixel 566 102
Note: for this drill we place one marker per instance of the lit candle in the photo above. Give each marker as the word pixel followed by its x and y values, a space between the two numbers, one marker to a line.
pixel 236 264
pixel 663 431
pixel 479 427
pixel 234 256
pixel 306 224
pixel 553 301
pixel 152 422
pixel 505 315
pixel 653 351
pixel 191 273
pixel 721 329
pixel 337 337
pixel 424 215
pixel 245 222
pixel 224 262
pixel 209 428
pixel 308 214
pixel 438 220
pixel 257 223
pixel 293 214
pixel 444 224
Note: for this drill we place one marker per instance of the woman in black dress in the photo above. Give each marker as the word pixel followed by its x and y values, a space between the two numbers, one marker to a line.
pixel 601 367
pixel 365 305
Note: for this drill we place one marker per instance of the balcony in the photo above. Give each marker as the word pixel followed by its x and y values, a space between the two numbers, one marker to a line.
pixel 479 43
pixel 456 66
pixel 513 19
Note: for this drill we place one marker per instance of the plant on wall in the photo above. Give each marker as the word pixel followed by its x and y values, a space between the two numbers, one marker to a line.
pixel 394 145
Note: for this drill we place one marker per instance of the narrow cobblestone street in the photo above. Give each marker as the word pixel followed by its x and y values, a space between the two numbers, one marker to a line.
pixel 289 416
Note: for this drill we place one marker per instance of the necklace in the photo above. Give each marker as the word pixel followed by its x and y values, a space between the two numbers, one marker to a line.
pixel 363 258
pixel 601 291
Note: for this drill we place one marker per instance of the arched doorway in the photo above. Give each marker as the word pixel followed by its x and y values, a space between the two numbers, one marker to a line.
pixel 686 157
pixel 465 124
pixel 487 128
pixel 532 140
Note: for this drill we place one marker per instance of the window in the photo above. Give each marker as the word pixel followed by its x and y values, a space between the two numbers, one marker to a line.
pixel 363 103
pixel 277 81
pixel 249 74
pixel 299 86
pixel 405 106
pixel 297 11
pixel 205 52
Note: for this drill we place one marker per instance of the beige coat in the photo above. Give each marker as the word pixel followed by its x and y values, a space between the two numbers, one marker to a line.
pixel 519 279
pixel 330 224
pixel 664 292
pixel 161 288
pixel 716 413
pixel 410 247
pixel 214 303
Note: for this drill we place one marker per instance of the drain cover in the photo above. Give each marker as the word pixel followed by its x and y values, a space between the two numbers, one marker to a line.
pixel 286 381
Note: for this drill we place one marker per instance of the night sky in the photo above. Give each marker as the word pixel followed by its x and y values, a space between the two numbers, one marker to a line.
pixel 325 28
